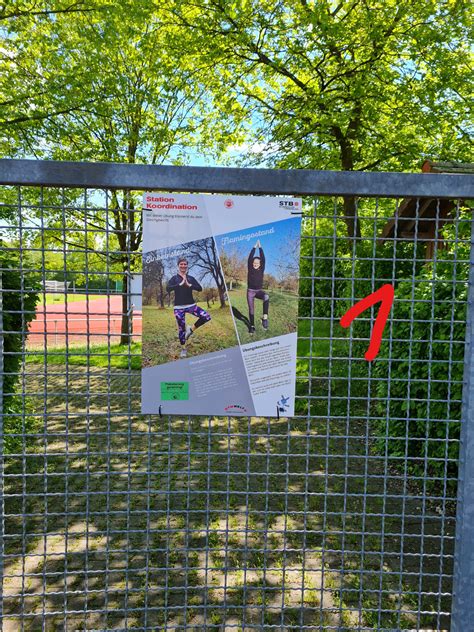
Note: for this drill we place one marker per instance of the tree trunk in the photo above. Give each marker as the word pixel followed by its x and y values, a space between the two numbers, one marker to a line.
pixel 127 319
pixel 347 162
pixel 162 294
pixel 351 217
pixel 222 296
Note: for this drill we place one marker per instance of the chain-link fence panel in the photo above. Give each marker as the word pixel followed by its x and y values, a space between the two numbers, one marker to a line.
pixel 340 518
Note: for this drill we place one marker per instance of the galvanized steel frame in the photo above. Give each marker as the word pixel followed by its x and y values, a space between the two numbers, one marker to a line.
pixel 302 182
pixel 234 180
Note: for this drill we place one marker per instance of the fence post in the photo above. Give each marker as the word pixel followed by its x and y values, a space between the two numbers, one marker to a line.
pixel 2 406
pixel 463 580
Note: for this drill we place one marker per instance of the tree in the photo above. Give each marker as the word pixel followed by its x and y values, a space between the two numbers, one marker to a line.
pixel 234 267
pixel 210 294
pixel 287 261
pixel 153 279
pixel 104 88
pixel 15 9
pixel 36 85
pixel 270 282
pixel 203 255
pixel 339 85
pixel 18 298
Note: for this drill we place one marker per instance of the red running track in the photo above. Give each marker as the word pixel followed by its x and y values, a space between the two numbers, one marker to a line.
pixel 80 322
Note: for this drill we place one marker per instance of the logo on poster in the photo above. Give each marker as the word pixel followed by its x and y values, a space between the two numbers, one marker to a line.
pixel 288 203
pixel 229 203
pixel 283 404
pixel 234 407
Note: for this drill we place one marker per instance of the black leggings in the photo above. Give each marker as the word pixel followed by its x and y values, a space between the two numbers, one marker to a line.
pixel 251 296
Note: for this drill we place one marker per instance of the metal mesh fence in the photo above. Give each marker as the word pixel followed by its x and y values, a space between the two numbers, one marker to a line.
pixel 339 518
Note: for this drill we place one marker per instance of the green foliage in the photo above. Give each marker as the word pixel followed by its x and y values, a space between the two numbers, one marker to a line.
pixel 348 85
pixel 325 259
pixel 305 84
pixel 98 83
pixel 419 373
pixel 420 388
pixel 346 270
pixel 19 296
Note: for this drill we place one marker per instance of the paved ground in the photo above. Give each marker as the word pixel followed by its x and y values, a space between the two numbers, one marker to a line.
pixel 98 320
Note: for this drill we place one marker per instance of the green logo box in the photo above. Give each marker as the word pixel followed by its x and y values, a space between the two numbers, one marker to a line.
pixel 174 391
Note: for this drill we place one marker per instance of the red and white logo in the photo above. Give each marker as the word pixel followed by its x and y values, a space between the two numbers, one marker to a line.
pixel 229 203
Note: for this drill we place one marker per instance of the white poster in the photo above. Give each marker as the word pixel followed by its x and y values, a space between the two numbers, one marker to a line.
pixel 220 304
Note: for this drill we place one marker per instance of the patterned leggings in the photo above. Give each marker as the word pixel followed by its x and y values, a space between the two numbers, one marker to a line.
pixel 180 315
pixel 251 296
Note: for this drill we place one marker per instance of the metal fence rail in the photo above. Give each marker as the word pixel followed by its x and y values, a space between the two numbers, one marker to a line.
pixel 342 517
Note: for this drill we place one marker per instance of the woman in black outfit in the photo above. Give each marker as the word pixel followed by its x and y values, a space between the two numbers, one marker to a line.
pixel 183 284
pixel 256 270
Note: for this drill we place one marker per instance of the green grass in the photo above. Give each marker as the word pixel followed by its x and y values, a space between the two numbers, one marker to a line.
pixel 207 455
pixel 283 314
pixel 324 511
pixel 116 357
pixel 160 334
pixel 289 503
pixel 314 340
pixel 53 297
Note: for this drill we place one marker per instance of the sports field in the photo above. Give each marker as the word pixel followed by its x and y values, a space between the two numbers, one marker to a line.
pixel 92 322
pixel 58 297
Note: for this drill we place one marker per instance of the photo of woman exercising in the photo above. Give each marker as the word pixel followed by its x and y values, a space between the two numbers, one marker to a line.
pixel 255 272
pixel 183 284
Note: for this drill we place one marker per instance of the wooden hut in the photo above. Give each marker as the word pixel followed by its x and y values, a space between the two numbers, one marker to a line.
pixel 421 218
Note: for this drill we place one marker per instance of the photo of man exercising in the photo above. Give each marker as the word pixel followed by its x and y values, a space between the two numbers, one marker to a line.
pixel 256 270
pixel 183 284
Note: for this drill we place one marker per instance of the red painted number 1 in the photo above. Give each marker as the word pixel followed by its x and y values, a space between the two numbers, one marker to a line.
pixel 384 295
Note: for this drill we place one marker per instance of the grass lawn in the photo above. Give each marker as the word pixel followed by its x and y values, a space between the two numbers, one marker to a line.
pixel 284 522
pixel 116 356
pixel 255 523
pixel 160 334
pixel 53 297
pixel 283 314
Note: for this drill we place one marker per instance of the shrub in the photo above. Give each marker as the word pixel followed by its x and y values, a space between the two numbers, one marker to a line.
pixel 19 302
pixel 420 387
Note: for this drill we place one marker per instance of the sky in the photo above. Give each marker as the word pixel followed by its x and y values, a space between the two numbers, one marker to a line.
pixel 274 245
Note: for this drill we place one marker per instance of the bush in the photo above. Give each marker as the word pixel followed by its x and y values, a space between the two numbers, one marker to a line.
pixel 423 397
pixel 373 268
pixel 19 303
pixel 419 389
pixel 344 271
pixel 329 258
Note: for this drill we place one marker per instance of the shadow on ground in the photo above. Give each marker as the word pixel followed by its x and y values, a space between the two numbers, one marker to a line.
pixel 116 520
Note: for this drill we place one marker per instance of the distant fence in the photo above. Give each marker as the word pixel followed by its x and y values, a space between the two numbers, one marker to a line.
pixel 56 286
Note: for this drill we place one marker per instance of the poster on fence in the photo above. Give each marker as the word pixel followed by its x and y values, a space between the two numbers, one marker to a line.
pixel 220 304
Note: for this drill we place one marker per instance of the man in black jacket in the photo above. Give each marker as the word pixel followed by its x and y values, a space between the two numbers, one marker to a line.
pixel 255 272
pixel 183 284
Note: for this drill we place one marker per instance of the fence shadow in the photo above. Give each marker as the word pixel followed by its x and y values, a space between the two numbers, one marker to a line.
pixel 116 520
